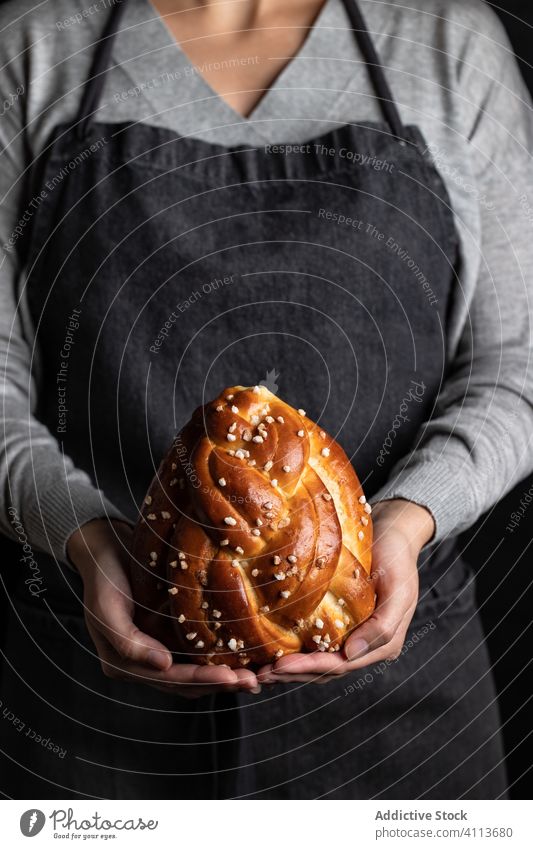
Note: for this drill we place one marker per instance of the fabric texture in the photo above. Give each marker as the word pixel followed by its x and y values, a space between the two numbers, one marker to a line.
pixel 151 218
pixel 425 726
pixel 452 72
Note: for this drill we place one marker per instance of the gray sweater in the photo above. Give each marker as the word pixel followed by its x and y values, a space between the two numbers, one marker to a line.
pixel 453 73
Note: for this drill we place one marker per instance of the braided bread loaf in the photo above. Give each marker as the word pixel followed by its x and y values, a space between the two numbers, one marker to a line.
pixel 254 539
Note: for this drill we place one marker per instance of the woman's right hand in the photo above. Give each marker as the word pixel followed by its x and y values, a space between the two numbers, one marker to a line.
pixel 99 551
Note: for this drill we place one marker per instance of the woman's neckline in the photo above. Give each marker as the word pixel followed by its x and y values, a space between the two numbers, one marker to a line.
pixel 146 52
pixel 282 79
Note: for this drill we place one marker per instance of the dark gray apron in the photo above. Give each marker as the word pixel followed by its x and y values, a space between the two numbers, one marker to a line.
pixel 326 270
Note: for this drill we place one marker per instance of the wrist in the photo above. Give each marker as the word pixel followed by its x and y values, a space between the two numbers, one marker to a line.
pixel 413 520
pixel 86 544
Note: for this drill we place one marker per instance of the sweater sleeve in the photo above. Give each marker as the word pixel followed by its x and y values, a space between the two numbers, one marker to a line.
pixel 43 496
pixel 476 446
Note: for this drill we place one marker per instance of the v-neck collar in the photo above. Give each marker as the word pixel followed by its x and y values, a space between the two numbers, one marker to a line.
pixel 298 83
pixel 280 80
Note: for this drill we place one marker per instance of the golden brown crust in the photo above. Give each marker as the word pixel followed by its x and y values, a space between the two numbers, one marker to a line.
pixel 254 539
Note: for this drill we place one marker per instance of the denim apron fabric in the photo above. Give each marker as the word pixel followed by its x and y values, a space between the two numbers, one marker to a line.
pixel 325 270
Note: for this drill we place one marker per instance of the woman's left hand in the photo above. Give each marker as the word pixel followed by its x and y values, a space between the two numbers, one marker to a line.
pixel 401 529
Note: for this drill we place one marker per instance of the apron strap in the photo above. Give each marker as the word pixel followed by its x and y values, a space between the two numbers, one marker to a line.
pixel 375 70
pixel 94 86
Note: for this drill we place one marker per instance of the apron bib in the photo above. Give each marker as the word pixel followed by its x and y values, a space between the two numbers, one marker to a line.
pixel 179 267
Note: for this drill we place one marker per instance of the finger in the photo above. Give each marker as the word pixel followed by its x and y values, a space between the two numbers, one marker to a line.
pixel 393 607
pixel 264 674
pixel 388 652
pixel 219 674
pixel 336 664
pixel 247 680
pixel 113 620
pixel 393 612
pixel 291 667
pixel 320 665
pixel 193 673
pixel 308 679
pixel 192 692
pixel 187 675
pixel 302 668
pixel 180 680
pixel 269 676
pixel 304 679
pixel 314 663
pixel 180 677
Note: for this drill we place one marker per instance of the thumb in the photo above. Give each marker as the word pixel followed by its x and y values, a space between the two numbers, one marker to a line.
pixel 128 640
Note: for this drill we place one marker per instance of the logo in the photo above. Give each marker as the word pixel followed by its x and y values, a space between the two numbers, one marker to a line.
pixel 271 381
pixel 32 822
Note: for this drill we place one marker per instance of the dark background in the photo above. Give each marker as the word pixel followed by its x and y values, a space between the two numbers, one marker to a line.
pixel 517 17
pixel 503 560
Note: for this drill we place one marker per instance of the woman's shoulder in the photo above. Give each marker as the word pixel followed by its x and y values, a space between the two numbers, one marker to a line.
pixel 471 14
pixel 25 17
pixel 41 36
pixel 46 52
pixel 452 26
pixel 457 44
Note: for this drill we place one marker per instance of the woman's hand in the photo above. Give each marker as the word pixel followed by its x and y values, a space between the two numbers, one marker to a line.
pixel 99 551
pixel 401 529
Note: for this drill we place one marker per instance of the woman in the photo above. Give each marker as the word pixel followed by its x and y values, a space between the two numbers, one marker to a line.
pixel 199 194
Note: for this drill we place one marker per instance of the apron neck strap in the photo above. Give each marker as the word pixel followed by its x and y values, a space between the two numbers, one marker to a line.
pixel 375 69
pixel 101 63
pixel 102 60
